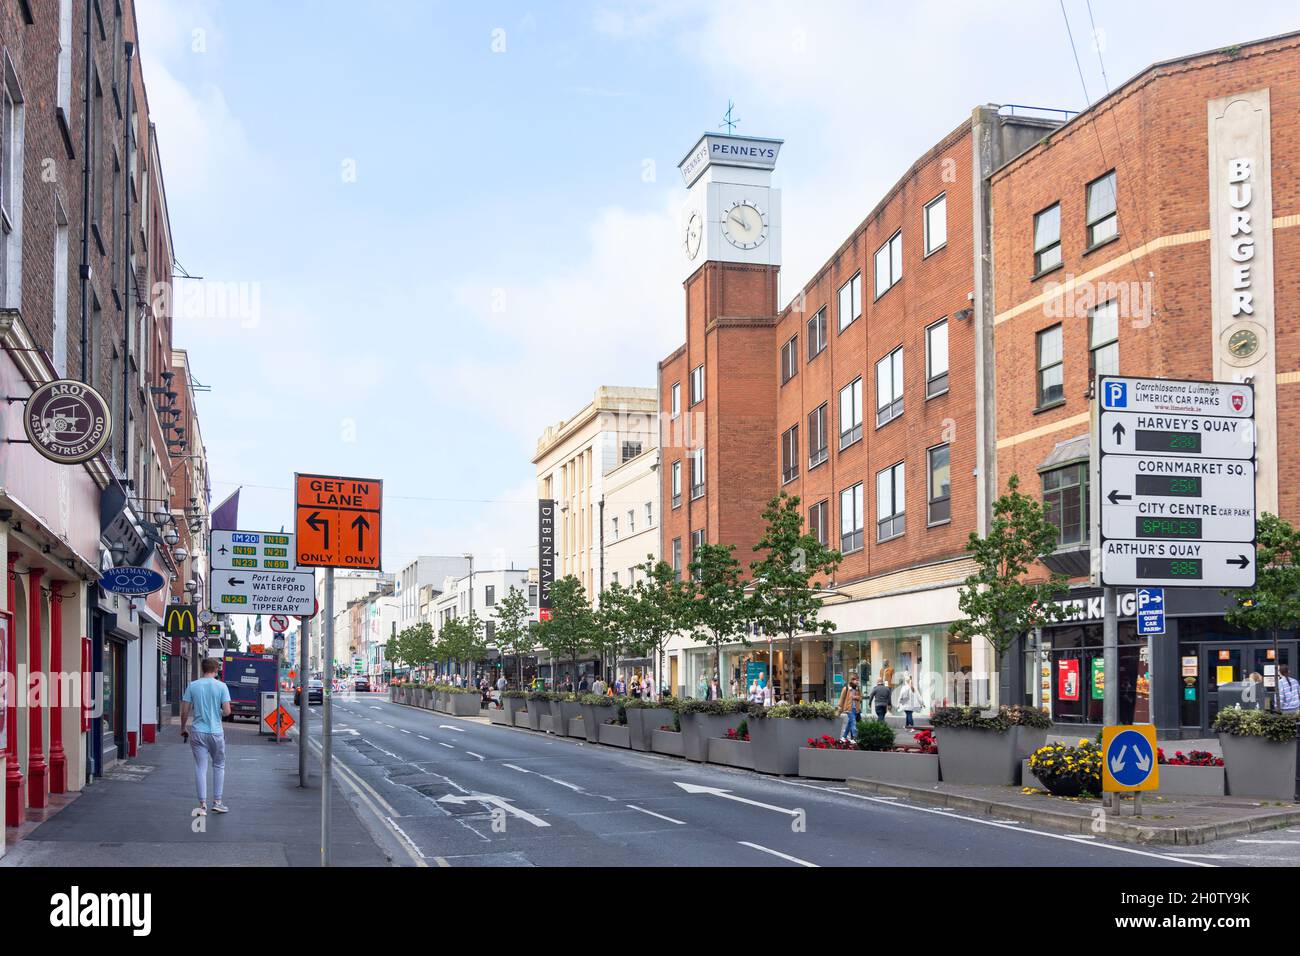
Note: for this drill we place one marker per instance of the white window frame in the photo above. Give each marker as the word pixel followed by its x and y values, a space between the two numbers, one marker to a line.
pixel 676 399
pixel 854 432
pixel 1105 219
pixel 816 333
pixel 890 257
pixel 936 378
pixel 891 524
pixel 851 530
pixel 676 486
pixel 697 472
pixel 697 385
pixel 889 387
pixel 1103 340
pixel 940 203
pixel 853 288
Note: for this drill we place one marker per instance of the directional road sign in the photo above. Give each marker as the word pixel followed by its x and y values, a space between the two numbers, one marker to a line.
pixel 338 521
pixel 252 551
pixel 262 592
pixel 1150 610
pixel 1129 758
pixel 1177 483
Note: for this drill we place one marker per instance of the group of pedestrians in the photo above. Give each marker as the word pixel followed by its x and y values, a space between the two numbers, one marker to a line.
pixel 879 699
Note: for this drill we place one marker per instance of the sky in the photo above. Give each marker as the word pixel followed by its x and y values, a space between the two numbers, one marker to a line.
pixel 426 231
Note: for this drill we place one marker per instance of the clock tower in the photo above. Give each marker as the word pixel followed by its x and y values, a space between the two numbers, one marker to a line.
pixel 732 213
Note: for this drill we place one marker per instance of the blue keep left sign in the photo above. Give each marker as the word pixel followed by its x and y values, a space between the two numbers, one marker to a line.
pixel 1129 758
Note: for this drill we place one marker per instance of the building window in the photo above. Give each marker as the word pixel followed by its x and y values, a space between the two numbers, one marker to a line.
pixel 490 595
pixel 615 577
pixel 1103 220
pixel 889 264
pixel 1051 367
pixel 490 631
pixel 532 595
pixel 63 91
pixel 790 454
pixel 890 502
pixel 677 399
pixel 677 483
pixel 850 413
pixel 939 486
pixel 613 528
pixel 889 387
pixel 817 334
pixel 697 472
pixel 936 359
pixel 631 449
pixel 1065 502
pixel 819 522
pixel 850 301
pixel 697 384
pixel 677 557
pixel 1103 339
pixel 936 223
pixel 1047 239
pixel 851 519
pixel 817 436
pixel 631 522
pixel 649 514
pixel 697 542
pixel 11 177
pixel 790 359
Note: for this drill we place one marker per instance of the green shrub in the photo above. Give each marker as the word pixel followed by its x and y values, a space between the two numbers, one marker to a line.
pixel 875 735
pixel 1068 771
pixel 516 694
pixel 1235 722
pixel 641 703
pixel 542 695
pixel 809 711
pixel 596 700
pixel 1022 716
pixel 969 718
pixel 720 708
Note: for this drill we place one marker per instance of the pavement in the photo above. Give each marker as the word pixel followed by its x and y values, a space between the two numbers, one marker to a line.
pixel 138 814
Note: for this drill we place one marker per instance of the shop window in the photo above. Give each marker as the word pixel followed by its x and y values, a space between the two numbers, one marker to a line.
pixel 1047 239
pixel 1065 502
pixel 1103 219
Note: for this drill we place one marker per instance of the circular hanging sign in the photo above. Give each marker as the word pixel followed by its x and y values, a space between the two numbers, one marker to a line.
pixel 131 581
pixel 315 609
pixel 67 421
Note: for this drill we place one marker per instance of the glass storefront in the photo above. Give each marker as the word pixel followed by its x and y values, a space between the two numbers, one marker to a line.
pixel 938 666
pixel 1076 674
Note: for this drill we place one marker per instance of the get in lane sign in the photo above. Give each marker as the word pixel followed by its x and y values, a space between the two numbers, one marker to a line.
pixel 337 521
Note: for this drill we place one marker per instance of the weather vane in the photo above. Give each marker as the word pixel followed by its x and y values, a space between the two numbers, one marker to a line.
pixel 727 120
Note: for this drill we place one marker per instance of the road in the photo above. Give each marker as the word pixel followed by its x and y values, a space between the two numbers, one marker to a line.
pixel 450 792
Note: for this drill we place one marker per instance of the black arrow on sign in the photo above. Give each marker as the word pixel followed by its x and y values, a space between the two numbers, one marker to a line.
pixel 1115 497
pixel 1240 561
pixel 1118 431
pixel 362 525
pixel 235 582
pixel 314 521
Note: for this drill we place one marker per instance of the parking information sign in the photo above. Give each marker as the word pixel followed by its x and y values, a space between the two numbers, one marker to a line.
pixel 1129 758
pixel 1151 610
pixel 1177 483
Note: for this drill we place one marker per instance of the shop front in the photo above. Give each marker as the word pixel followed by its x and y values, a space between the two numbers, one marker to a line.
pixel 936 664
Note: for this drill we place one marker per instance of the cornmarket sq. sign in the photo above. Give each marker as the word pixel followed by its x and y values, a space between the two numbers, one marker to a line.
pixel 67 421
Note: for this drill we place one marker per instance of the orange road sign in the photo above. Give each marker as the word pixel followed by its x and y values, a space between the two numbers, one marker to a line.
pixel 279 720
pixel 337 521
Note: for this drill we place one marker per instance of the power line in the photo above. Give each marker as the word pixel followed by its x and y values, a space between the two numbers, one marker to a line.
pixel 482 501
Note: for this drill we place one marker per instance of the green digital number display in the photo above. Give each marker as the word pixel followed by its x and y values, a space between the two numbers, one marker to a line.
pixel 1168 527
pixel 1169 486
pixel 1183 568
pixel 1188 442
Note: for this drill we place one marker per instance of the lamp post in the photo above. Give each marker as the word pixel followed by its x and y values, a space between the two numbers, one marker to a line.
pixel 470 558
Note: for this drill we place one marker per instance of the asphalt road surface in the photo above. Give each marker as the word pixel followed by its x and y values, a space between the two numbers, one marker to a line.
pixel 440 791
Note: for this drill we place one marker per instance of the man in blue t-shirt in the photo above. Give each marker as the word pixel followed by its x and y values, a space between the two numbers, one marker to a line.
pixel 208 700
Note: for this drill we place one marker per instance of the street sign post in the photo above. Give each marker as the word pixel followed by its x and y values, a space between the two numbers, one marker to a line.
pixel 1177 483
pixel 1150 611
pixel 338 521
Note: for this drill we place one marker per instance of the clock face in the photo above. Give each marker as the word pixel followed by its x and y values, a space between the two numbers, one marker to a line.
pixel 694 233
pixel 744 225
pixel 1243 343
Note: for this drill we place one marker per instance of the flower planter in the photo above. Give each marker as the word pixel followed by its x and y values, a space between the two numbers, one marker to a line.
pixel 614 735
pixel 666 742
pixel 1028 739
pixel 578 728
pixel 1258 767
pixel 537 709
pixel 731 753
pixel 569 709
pixel 778 740
pixel 967 755
pixel 501 717
pixel 698 728
pixel 464 705
pixel 592 717
pixel 521 720
pixel 392 694
pixel 548 724
pixel 515 705
pixel 642 722
pixel 885 766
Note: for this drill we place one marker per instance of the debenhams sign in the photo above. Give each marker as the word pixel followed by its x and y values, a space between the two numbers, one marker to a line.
pixel 754 152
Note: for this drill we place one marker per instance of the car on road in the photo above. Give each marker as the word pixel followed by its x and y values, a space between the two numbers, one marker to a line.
pixel 315 693
pixel 361 685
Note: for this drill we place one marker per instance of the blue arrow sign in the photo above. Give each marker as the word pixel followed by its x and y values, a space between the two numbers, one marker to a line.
pixel 1151 610
pixel 1130 758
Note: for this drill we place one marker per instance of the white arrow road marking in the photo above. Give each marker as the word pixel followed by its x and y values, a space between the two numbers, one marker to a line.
pixel 422 737
pixel 450 727
pixel 728 795
pixel 372 707
pixel 502 802
pixel 563 783
pixel 1117 761
pixel 473 754
pixel 633 806
pixel 784 856
pixel 448 746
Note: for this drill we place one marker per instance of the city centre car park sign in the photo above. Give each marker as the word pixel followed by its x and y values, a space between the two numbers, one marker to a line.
pixel 1177 483
pixel 254 572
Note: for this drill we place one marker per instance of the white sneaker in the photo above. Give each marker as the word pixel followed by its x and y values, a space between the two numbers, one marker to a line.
pixel 220 807
pixel 202 810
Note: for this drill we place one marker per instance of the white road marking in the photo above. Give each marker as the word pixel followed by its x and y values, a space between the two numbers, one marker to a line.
pixel 633 806
pixel 513 767
pixel 784 856
pixel 450 727
pixel 422 737
pixel 1085 841
pixel 372 707
pixel 353 780
pixel 563 783
pixel 473 754
pixel 405 731
pixel 502 802
pixel 1282 842
pixel 448 746
pixel 728 795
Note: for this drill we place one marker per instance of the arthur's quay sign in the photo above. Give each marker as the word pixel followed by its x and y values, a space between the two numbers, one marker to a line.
pixel 67 421
pixel 1085 605
pixel 755 153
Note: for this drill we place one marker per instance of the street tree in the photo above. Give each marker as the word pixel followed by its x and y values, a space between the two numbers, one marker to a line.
pixel 719 611
pixel 460 641
pixel 513 634
pixel 415 646
pixel 998 604
pixel 1273 604
pixel 571 630
pixel 789 577
pixel 656 609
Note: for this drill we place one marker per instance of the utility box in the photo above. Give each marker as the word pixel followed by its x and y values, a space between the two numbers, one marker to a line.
pixel 268 699
pixel 1247 694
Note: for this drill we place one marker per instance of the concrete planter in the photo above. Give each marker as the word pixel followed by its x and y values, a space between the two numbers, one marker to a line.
pixel 537 709
pixel 1028 739
pixel 578 728
pixel 778 740
pixel 521 720
pixel 501 717
pixel 556 710
pixel 666 742
pixel 698 728
pixel 614 735
pixel 568 711
pixel 464 705
pixel 548 724
pixel 642 722
pixel 885 766
pixel 592 717
pixel 731 753
pixel 967 755
pixel 392 695
pixel 1258 768
pixel 439 702
pixel 515 705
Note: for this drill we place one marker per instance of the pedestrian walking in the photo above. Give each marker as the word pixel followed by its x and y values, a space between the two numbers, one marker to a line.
pixel 618 687
pixel 599 687
pixel 1288 691
pixel 502 684
pixel 880 697
pixel 207 700
pixel 909 698
pixel 582 684
pixel 715 690
pixel 850 705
